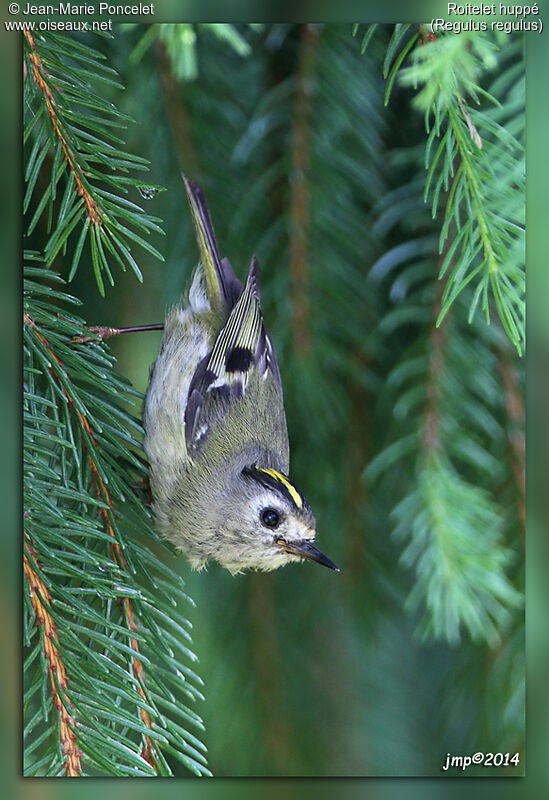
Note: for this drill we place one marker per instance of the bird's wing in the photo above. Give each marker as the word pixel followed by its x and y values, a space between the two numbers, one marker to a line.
pixel 242 346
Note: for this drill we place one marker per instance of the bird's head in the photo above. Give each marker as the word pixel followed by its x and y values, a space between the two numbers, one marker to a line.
pixel 270 524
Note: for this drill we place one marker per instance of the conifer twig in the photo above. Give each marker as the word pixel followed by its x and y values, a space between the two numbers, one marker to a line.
pixel 148 751
pixel 94 212
pixel 105 332
pixel 41 601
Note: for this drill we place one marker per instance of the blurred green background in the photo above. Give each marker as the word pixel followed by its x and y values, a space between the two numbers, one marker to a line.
pixel 307 672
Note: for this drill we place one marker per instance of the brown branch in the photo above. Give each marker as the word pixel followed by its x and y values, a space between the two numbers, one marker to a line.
pixel 94 212
pixel 431 433
pixel 148 750
pixel 176 112
pixel 41 602
pixel 358 449
pixel 514 407
pixel 105 332
pixel 300 191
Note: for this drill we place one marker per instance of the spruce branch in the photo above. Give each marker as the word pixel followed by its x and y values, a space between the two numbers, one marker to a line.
pixel 454 543
pixel 106 512
pixel 452 526
pixel 480 165
pixel 65 116
pixel 450 522
pixel 122 642
pixel 39 74
pixel 472 159
pixel 41 601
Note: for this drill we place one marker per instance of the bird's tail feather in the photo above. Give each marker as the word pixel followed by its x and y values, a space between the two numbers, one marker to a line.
pixel 221 282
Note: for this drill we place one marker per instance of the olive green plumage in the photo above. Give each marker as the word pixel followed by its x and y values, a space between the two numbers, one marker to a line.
pixel 215 428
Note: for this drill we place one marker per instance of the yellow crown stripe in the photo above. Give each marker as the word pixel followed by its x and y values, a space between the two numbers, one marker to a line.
pixel 278 476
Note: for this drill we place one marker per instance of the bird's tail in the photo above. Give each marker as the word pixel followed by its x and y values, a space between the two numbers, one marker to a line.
pixel 222 285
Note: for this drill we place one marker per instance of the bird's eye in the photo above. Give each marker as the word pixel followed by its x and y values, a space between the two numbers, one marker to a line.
pixel 270 518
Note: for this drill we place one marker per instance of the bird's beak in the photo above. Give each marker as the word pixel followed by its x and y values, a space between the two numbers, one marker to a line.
pixel 305 549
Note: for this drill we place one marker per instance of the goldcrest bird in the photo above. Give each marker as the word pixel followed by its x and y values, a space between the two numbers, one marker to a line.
pixel 215 428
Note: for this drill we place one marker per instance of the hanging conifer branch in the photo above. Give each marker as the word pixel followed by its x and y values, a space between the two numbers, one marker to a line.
pixel 106 512
pixel 94 212
pixel 78 452
pixel 475 162
pixel 451 526
pixel 84 145
pixel 41 602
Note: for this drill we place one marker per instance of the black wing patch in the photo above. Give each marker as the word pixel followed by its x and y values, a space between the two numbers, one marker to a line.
pixel 238 359
pixel 242 345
